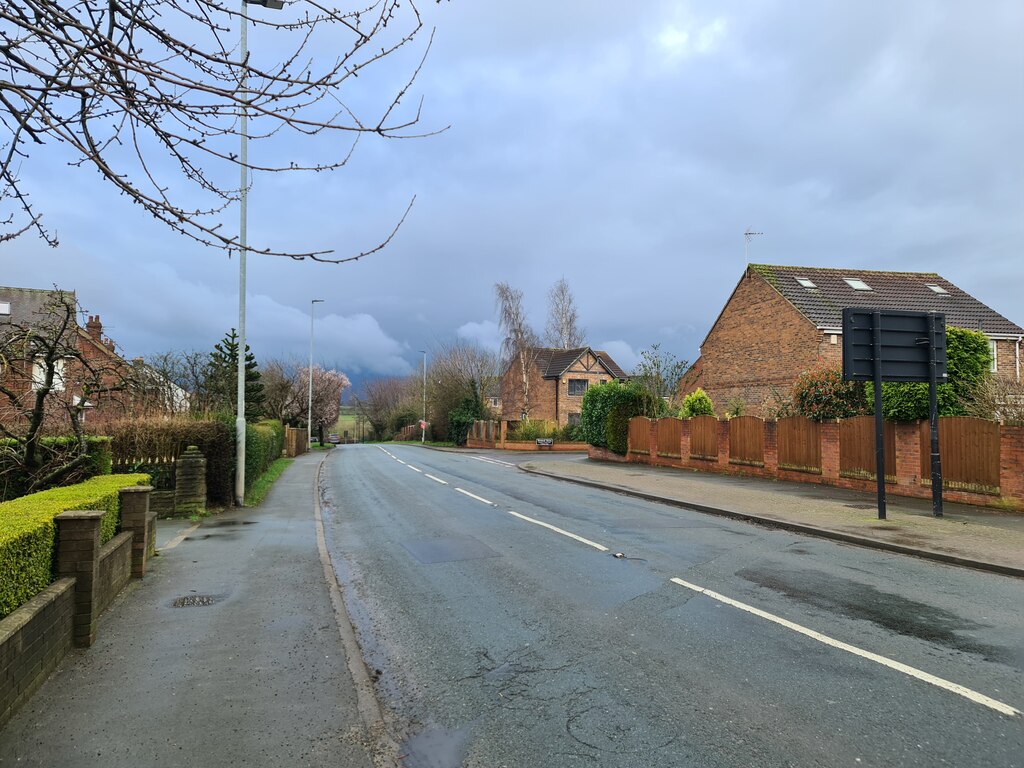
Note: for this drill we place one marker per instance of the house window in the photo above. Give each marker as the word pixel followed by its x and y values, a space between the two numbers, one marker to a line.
pixel 5 307
pixel 39 374
pixel 992 351
pixel 574 419
pixel 806 282
pixel 857 285
pixel 936 288
pixel 577 387
pixel 494 402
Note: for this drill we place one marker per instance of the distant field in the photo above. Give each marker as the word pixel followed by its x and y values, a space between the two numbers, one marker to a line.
pixel 349 421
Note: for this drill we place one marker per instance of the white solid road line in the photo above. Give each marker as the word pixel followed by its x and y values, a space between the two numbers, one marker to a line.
pixel 967 693
pixel 436 479
pixel 588 542
pixel 474 496
pixel 410 466
pixel 494 461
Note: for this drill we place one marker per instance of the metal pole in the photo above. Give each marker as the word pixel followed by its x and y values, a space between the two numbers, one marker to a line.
pixel 423 425
pixel 309 409
pixel 933 417
pixel 876 327
pixel 242 248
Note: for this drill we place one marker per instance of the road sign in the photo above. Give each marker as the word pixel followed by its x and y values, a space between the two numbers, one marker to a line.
pixel 886 345
pixel 905 348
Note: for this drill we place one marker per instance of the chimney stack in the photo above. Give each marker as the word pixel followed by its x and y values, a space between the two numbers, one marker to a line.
pixel 94 328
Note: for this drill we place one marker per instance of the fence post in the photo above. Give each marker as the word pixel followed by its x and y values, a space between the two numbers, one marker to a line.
pixel 723 443
pixel 908 453
pixel 771 448
pixel 78 557
pixel 829 432
pixel 135 519
pixel 652 441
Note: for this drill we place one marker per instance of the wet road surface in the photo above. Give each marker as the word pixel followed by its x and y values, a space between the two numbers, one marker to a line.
pixel 503 630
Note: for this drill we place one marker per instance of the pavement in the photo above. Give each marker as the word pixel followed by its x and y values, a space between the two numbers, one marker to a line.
pixel 975 537
pixel 230 652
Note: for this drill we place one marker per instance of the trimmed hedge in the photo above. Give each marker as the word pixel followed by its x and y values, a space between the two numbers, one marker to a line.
pixel 15 482
pixel 264 443
pixel 28 533
pixel 598 404
pixel 147 445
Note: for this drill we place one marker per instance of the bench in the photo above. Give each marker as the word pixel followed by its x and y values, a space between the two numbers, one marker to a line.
pixel 545 443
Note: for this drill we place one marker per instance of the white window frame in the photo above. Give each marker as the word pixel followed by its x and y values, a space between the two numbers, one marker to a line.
pixel 39 374
pixel 993 348
pixel 936 289
pixel 857 284
pixel 5 307
pixel 806 282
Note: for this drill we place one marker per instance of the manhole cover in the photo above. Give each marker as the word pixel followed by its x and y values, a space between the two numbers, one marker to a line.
pixel 194 601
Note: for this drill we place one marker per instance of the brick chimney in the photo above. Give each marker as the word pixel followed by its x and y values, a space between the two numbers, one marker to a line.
pixel 94 328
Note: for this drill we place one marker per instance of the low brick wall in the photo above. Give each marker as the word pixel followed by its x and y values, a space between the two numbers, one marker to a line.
pixel 33 640
pixel 115 569
pixel 532 446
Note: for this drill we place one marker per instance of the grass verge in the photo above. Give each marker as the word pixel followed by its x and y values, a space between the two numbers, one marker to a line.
pixel 264 482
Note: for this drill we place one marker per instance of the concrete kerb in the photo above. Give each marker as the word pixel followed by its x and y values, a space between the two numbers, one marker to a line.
pixel 808 530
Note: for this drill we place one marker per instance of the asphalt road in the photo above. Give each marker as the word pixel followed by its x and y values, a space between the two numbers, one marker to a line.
pixel 503 631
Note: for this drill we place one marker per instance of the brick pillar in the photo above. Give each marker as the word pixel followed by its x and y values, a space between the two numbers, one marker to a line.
pixel 723 443
pixel 829 451
pixel 652 441
pixel 685 443
pixel 504 432
pixel 78 557
pixel 135 519
pixel 771 448
pixel 1011 464
pixel 908 453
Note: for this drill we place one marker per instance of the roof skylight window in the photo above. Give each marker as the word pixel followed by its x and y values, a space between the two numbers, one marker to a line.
pixel 936 288
pixel 5 307
pixel 857 285
pixel 806 282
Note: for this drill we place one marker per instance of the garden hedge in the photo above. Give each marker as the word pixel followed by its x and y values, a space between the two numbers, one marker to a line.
pixel 263 445
pixel 15 481
pixel 28 533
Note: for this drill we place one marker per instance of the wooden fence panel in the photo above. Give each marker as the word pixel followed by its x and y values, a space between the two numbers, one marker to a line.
pixel 746 440
pixel 857 448
pixel 670 435
pixel 640 434
pixel 969 449
pixel 704 438
pixel 799 444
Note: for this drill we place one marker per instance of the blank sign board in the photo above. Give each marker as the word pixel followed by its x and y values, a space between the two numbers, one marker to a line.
pixel 904 348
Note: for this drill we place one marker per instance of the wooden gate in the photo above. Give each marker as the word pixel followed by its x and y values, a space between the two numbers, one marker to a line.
pixel 704 438
pixel 799 444
pixel 857 448
pixel 746 440
pixel 969 449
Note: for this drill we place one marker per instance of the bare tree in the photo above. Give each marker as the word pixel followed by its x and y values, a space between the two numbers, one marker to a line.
pixel 659 373
pixel 51 374
pixel 520 345
pixel 563 329
pixel 457 373
pixel 286 391
pixel 150 94
pixel 381 404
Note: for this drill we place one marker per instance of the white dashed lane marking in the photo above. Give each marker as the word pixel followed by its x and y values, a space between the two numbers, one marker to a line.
pixel 474 496
pixel 562 531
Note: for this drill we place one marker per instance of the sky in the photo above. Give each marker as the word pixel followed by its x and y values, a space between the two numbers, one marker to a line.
pixel 626 148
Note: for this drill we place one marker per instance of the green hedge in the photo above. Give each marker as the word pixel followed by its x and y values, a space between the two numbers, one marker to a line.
pixel 147 445
pixel 598 404
pixel 264 443
pixel 14 481
pixel 28 533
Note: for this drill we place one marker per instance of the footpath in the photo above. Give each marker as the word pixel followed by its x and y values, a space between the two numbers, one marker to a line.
pixel 228 653
pixel 969 536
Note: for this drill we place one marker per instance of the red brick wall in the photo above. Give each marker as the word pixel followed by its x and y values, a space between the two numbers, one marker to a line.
pixel 760 341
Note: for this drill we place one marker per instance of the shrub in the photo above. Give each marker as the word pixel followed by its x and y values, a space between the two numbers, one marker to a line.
pixel 566 434
pixel 598 402
pixel 533 429
pixel 736 407
pixel 461 419
pixel 263 445
pixel 968 361
pixel 616 429
pixel 16 481
pixel 28 533
pixel 821 394
pixel 697 403
pixel 150 445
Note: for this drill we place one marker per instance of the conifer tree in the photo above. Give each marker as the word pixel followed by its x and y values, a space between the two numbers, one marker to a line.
pixel 222 377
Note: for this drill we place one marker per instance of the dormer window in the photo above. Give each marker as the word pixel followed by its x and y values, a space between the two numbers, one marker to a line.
pixel 936 288
pixel 806 282
pixel 857 285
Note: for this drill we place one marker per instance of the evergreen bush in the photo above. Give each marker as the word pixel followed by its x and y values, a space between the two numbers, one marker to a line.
pixel 821 394
pixel 697 403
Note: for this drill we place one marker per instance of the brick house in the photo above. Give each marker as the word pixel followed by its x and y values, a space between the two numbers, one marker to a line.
pixel 22 309
pixel 780 321
pixel 558 379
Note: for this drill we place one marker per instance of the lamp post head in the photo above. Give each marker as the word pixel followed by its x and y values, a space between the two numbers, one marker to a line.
pixel 275 5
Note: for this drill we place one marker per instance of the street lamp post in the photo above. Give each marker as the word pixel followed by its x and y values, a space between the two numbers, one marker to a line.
pixel 309 412
pixel 423 424
pixel 243 248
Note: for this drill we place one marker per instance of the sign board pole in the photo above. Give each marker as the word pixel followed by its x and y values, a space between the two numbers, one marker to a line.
pixel 933 417
pixel 876 330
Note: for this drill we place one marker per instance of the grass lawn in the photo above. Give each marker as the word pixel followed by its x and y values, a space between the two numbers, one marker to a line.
pixel 255 495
